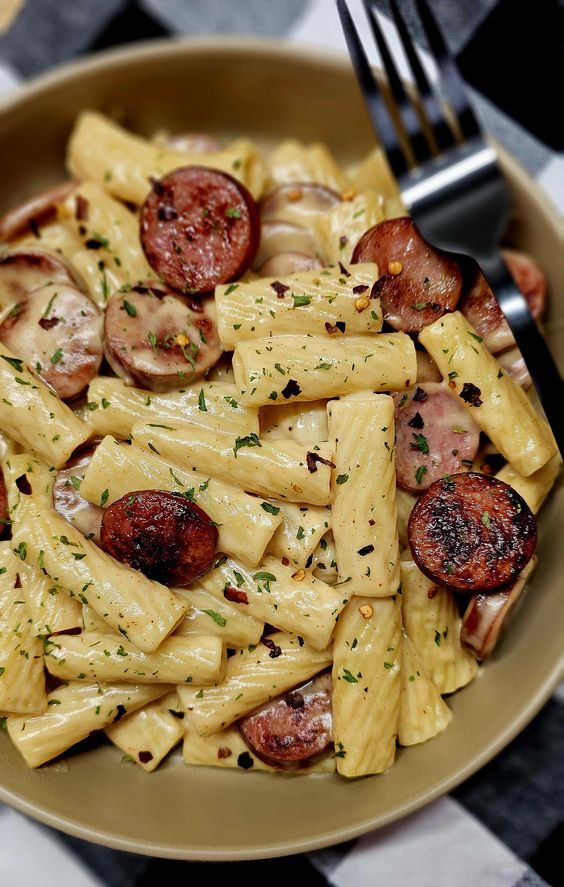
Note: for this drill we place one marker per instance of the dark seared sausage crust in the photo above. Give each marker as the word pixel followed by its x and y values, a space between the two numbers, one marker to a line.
pixel 471 533
pixel 199 227
pixel 294 728
pixel 163 534
pixel 419 283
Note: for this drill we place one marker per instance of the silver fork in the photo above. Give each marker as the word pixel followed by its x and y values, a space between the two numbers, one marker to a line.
pixel 458 196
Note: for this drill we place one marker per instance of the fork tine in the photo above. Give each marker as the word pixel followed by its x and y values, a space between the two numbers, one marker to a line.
pixel 441 130
pixel 454 85
pixel 379 115
pixel 406 111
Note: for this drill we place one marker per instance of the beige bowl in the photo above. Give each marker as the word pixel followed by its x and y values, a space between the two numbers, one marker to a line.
pixel 270 91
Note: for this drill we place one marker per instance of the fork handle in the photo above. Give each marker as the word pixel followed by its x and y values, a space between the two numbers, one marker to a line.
pixel 532 344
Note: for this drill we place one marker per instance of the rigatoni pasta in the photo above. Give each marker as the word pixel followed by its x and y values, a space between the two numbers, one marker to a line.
pixel 286 623
pixel 284 368
pixel 269 468
pixel 364 504
pixel 109 658
pixel 74 711
pixel 34 415
pixel 366 685
pixel 144 611
pixel 114 407
pixel 333 302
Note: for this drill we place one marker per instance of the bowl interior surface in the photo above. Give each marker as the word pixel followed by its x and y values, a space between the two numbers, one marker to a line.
pixel 267 91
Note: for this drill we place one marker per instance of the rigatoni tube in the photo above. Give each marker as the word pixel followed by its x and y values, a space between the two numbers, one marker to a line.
pixel 364 504
pixel 271 468
pixel 292 600
pixel 107 658
pixel 301 368
pixel 366 685
pixel 34 416
pixel 207 404
pixel 331 302
pixel 73 712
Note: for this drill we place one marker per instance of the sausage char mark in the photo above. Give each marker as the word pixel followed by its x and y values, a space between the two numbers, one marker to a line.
pixel 471 533
pixel 163 534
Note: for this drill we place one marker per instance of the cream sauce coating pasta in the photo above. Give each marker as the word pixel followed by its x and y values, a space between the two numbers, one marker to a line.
pixel 287 445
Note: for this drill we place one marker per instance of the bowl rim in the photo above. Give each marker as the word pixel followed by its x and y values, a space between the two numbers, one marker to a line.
pixel 284 49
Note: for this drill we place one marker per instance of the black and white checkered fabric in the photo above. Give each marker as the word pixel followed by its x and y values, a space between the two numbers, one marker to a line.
pixel 505 826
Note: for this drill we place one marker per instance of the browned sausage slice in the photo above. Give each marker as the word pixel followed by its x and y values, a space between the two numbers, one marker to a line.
pixel 482 311
pixel 34 212
pixel 486 616
pixel 4 512
pixel 159 340
pixel 86 517
pixel 435 435
pixel 471 533
pixel 27 270
pixel 419 283
pixel 163 534
pixel 199 228
pixel 57 330
pixel 291 730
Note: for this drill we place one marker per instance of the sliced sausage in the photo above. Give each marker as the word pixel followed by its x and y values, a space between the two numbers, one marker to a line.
pixel 163 534
pixel 482 310
pixel 199 228
pixel 486 616
pixel 27 270
pixel 86 517
pixel 286 263
pixel 159 340
pixel 34 212
pixel 4 511
pixel 284 237
pixel 291 730
pixel 435 435
pixel 419 283
pixel 57 330
pixel 471 533
pixel 298 202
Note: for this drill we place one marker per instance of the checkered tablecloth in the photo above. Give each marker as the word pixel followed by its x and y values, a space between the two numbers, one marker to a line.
pixel 505 826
